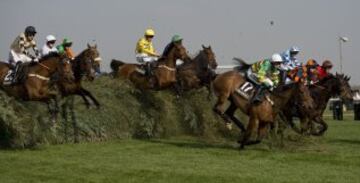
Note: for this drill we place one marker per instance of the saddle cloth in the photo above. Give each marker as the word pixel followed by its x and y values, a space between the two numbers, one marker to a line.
pixel 246 90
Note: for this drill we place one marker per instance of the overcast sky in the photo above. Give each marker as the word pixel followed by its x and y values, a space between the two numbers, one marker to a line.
pixel 231 27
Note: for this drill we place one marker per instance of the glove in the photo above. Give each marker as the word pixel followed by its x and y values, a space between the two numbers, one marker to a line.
pixel 268 85
pixel 37 53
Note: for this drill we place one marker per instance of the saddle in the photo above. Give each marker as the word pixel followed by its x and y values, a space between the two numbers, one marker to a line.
pixel 252 90
pixel 147 68
pixel 19 75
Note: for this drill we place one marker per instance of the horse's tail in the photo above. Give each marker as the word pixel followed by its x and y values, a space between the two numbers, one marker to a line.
pixel 115 64
pixel 242 66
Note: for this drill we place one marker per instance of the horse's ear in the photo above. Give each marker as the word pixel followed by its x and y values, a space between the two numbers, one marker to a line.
pixel 347 78
pixel 209 47
pixel 203 46
pixel 95 46
pixel 88 45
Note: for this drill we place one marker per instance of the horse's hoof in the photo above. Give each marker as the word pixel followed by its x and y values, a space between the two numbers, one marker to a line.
pixel 242 147
pixel 228 126
pixel 53 121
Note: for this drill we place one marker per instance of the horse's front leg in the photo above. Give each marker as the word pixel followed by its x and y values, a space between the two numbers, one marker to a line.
pixel 252 126
pixel 324 125
pixel 229 113
pixel 55 111
pixel 83 96
pixel 178 88
pixel 210 91
pixel 73 118
pixel 87 93
pixel 64 113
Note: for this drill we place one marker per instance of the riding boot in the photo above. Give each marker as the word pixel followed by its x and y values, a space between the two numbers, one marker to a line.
pixel 283 77
pixel 259 95
pixel 148 71
pixel 16 72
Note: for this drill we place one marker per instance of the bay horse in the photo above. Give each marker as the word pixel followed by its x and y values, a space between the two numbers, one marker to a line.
pixel 84 65
pixel 199 72
pixel 261 115
pixel 331 86
pixel 164 73
pixel 36 85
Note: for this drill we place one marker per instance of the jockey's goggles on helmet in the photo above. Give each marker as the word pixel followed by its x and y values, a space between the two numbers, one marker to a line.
pixel 51 42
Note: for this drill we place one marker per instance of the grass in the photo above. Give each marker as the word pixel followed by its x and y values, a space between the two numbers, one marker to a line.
pixel 332 158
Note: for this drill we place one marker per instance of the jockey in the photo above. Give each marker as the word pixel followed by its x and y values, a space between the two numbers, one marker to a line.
pixel 145 52
pixel 19 51
pixel 304 73
pixel 65 48
pixel 49 46
pixel 312 65
pixel 290 61
pixel 324 70
pixel 266 73
pixel 174 39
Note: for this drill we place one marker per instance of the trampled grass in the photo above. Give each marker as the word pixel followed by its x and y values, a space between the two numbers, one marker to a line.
pixel 332 158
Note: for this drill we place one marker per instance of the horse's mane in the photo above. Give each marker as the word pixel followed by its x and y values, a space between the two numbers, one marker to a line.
pixel 317 89
pixel 163 58
pixel 327 79
pixel 49 56
pixel 285 87
pixel 81 54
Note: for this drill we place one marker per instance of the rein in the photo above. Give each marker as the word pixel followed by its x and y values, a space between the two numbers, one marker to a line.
pixel 167 67
pixel 321 87
pixel 39 77
pixel 44 66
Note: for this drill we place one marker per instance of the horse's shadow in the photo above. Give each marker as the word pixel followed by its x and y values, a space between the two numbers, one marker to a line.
pixel 194 144
pixel 346 141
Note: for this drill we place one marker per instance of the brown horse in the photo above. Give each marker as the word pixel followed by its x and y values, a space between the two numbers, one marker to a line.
pixel 330 86
pixel 164 74
pixel 83 65
pixel 36 85
pixel 260 115
pixel 199 72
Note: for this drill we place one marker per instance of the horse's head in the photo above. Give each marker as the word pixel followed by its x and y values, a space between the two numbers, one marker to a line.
pixel 180 52
pixel 210 55
pixel 56 63
pixel 90 61
pixel 344 89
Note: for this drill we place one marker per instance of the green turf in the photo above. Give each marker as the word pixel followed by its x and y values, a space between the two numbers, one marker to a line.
pixel 332 158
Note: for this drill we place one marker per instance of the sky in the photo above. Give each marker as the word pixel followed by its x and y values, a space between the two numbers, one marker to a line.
pixel 234 28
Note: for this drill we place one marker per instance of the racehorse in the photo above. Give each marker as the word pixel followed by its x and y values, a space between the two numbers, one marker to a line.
pixel 260 115
pixel 35 86
pixel 331 86
pixel 198 72
pixel 84 64
pixel 164 73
